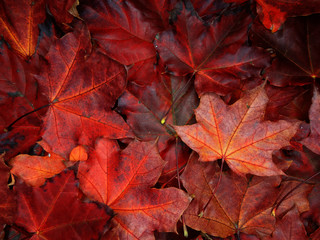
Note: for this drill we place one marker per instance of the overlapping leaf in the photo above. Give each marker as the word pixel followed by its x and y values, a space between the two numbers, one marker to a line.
pixel 55 212
pixel 145 104
pixel 82 86
pixel 289 227
pixel 211 52
pixel 128 27
pixel 123 181
pixel 19 24
pixel 237 134
pixel 297 50
pixel 35 169
pixel 238 205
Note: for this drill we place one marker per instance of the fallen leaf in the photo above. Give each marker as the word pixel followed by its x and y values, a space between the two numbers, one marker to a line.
pixel 123 181
pixel 237 134
pixel 238 205
pixel 82 86
pixel 312 142
pixel 297 61
pixel 163 98
pixel 289 227
pixel 126 26
pixel 34 170
pixel 19 24
pixel 79 153
pixel 62 214
pixel 216 64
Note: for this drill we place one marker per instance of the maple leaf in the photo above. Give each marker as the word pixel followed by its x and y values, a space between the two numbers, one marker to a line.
pixel 312 142
pixel 128 27
pixel 237 133
pixel 217 64
pixel 297 61
pixel 81 86
pixel 238 205
pixel 62 214
pixel 19 24
pixel 7 200
pixel 123 181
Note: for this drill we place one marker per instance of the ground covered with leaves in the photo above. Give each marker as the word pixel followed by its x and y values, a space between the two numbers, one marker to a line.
pixel 160 119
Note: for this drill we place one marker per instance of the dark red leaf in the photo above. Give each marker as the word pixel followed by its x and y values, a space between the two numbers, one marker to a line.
pixel 128 27
pixel 55 212
pixel 212 53
pixel 146 104
pixel 122 180
pixel 298 61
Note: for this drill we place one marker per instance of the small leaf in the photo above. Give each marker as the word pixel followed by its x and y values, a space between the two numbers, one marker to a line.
pixel 79 153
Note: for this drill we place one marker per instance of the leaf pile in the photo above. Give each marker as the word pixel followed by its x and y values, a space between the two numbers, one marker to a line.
pixel 159 119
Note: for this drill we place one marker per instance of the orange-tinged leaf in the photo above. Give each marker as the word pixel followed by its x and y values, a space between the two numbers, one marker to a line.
pixel 55 212
pixel 237 133
pixel 79 153
pixel 35 169
pixel 123 181
pixel 19 24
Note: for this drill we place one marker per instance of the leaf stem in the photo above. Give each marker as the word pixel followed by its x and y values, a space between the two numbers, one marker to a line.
pixel 9 128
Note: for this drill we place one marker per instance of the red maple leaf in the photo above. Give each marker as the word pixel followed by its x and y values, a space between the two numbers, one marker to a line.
pixel 81 93
pixel 123 181
pixel 211 53
pixel 62 214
